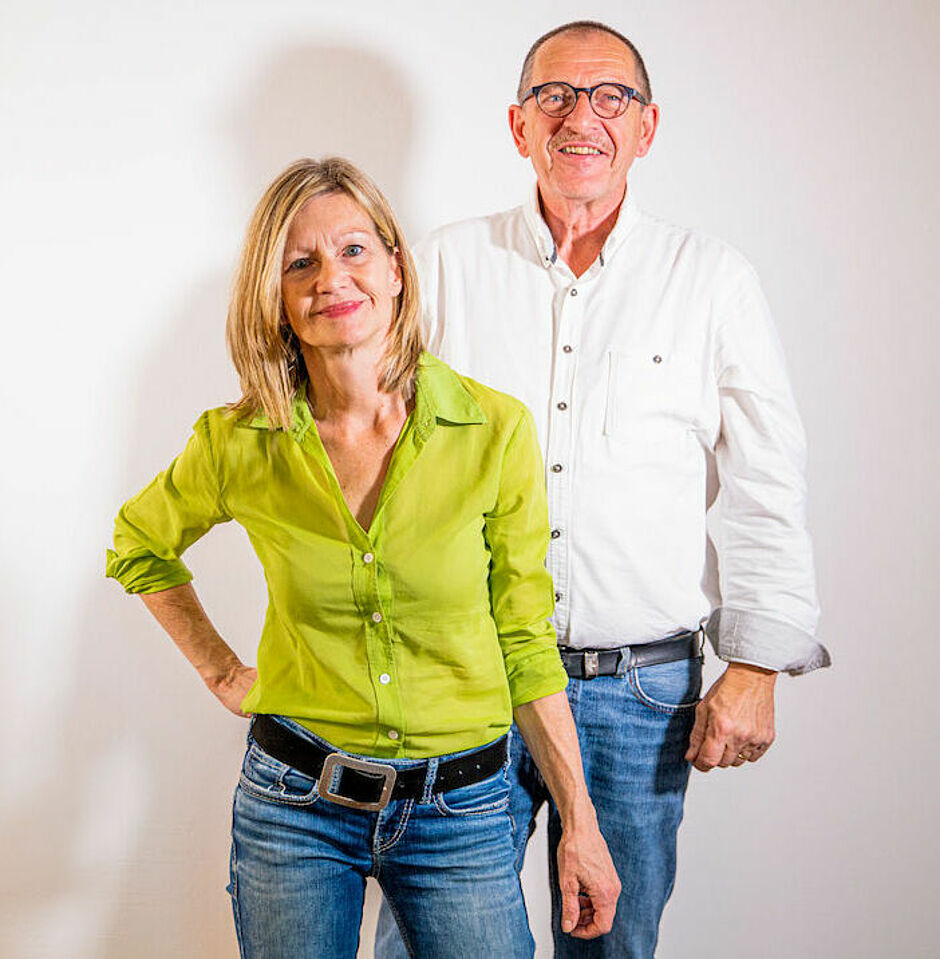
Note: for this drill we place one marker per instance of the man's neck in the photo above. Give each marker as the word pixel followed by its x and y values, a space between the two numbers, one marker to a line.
pixel 579 230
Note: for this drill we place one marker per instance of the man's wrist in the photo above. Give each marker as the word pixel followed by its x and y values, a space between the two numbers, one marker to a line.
pixel 759 674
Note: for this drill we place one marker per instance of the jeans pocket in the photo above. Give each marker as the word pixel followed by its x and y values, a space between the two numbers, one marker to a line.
pixel 268 778
pixel 668 687
pixel 485 798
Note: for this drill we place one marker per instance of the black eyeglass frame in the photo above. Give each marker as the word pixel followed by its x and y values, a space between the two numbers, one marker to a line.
pixel 628 94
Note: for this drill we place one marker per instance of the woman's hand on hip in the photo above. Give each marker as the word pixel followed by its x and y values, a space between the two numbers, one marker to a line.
pixel 231 688
pixel 180 613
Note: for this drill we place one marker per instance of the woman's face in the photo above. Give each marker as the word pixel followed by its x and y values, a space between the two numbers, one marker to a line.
pixel 338 282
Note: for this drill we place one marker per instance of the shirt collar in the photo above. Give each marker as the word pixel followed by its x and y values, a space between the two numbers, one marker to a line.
pixel 626 220
pixel 301 417
pixel 545 242
pixel 541 234
pixel 439 395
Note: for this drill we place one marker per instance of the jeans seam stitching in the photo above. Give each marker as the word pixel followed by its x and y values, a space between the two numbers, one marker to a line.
pixel 278 799
pixel 403 822
pixel 497 806
pixel 655 704
pixel 233 870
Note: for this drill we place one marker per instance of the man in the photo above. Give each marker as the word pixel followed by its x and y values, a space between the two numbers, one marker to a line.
pixel 648 357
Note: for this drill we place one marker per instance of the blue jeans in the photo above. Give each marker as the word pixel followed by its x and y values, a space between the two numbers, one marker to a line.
pixel 634 730
pixel 445 863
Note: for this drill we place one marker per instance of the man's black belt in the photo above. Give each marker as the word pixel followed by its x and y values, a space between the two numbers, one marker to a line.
pixel 371 784
pixel 588 663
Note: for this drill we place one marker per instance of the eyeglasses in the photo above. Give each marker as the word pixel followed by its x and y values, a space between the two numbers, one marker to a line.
pixel 608 100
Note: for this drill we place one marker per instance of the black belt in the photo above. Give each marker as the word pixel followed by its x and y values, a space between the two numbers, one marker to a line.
pixel 365 783
pixel 588 663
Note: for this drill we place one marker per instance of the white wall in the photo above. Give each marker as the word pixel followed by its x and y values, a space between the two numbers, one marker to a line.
pixel 137 138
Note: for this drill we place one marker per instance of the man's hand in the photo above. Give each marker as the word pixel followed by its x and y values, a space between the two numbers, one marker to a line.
pixel 233 687
pixel 588 882
pixel 734 722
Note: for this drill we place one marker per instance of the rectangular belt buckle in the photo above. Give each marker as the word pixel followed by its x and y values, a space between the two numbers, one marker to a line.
pixel 362 765
pixel 590 664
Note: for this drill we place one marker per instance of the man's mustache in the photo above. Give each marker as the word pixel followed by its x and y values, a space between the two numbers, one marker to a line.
pixel 557 142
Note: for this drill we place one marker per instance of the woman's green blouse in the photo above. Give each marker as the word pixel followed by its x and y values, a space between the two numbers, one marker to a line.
pixel 413 638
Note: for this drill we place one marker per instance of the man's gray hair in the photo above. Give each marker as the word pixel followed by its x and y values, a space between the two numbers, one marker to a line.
pixel 581 27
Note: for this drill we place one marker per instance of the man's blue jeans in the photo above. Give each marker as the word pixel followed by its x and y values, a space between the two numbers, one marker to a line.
pixel 634 731
pixel 445 862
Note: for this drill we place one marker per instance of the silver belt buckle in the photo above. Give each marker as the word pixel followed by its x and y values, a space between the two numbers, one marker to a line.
pixel 363 765
pixel 590 664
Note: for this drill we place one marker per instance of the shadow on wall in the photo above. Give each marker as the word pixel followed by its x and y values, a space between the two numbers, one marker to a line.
pixel 315 101
pixel 131 857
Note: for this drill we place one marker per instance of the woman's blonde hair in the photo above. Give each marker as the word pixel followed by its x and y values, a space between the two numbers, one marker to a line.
pixel 263 347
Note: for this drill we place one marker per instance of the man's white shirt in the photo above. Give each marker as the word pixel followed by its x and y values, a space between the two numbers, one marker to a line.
pixel 659 389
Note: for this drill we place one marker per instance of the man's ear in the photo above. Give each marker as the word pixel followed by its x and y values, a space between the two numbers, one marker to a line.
pixel 517 128
pixel 648 126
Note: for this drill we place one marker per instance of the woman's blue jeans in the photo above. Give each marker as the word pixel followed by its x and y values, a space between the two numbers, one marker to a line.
pixel 445 862
pixel 634 730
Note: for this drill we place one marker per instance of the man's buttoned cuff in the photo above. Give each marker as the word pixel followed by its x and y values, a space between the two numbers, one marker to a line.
pixel 742 636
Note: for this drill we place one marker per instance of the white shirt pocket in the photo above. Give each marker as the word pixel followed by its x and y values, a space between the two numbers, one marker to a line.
pixel 650 405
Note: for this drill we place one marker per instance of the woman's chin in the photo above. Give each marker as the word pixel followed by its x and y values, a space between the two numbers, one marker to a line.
pixel 348 343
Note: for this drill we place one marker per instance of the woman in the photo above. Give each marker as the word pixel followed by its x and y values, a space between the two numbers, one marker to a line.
pixel 399 514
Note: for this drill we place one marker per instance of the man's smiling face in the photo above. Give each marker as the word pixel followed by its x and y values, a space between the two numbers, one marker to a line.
pixel 582 158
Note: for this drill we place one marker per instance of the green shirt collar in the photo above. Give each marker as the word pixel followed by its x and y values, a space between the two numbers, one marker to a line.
pixel 439 395
pixel 301 417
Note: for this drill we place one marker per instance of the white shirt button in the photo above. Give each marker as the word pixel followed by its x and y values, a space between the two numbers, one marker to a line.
pixel 385 679
pixel 376 617
pixel 393 734
pixel 367 557
pixel 574 292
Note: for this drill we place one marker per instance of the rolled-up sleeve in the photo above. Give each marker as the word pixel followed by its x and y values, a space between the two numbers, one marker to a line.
pixel 769 611
pixel 154 528
pixel 516 532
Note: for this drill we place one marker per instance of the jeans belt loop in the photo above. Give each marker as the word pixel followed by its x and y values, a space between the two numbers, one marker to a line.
pixel 429 780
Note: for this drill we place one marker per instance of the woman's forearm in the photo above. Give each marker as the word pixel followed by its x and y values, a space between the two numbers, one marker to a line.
pixel 548 729
pixel 587 878
pixel 180 613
